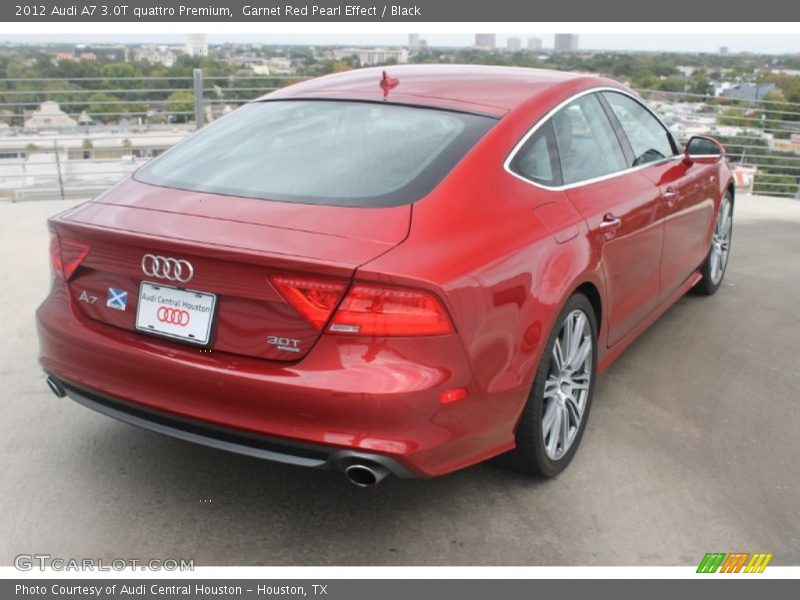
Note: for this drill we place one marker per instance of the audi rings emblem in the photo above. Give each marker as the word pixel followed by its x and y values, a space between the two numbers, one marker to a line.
pixel 173 316
pixel 163 267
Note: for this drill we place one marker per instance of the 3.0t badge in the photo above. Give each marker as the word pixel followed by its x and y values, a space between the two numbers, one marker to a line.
pixel 284 343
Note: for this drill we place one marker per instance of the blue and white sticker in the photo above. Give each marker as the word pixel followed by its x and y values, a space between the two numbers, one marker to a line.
pixel 117 299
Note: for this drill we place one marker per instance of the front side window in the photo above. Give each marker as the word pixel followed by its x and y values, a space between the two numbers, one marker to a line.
pixel 587 145
pixel 649 140
pixel 321 152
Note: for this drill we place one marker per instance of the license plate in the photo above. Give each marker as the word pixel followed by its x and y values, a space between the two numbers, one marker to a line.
pixel 180 314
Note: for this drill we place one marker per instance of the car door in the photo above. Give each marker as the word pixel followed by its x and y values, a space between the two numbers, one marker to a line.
pixel 686 189
pixel 621 207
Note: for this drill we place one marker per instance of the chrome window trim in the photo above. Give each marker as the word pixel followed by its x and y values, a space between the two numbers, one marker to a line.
pixel 548 116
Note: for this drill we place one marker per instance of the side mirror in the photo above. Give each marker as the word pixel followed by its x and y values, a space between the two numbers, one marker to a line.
pixel 703 149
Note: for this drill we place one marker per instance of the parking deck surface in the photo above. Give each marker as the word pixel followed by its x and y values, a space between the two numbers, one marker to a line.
pixel 692 447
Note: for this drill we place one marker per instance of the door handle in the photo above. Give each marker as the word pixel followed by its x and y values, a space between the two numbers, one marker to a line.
pixel 670 196
pixel 610 223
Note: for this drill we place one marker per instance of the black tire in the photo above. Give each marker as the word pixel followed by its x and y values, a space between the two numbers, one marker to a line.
pixel 707 286
pixel 530 456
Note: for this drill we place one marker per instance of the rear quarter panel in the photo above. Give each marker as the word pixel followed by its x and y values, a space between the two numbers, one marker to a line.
pixel 506 254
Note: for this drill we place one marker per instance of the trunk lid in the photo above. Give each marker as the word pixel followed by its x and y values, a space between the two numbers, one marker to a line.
pixel 233 245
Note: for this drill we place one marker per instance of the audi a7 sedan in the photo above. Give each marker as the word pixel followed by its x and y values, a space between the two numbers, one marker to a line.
pixel 403 272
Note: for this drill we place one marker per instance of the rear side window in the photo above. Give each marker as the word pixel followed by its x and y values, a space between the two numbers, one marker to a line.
pixel 537 160
pixel 321 152
pixel 587 145
pixel 649 140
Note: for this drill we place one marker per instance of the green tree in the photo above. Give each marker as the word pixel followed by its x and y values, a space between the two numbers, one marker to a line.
pixel 181 105
pixel 109 108
pixel 699 83
pixel 772 184
pixel 672 84
pixel 733 116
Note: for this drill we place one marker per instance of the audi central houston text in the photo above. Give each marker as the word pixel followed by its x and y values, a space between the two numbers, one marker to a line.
pixel 403 272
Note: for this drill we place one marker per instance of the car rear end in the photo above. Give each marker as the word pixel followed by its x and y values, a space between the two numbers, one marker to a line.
pixel 217 296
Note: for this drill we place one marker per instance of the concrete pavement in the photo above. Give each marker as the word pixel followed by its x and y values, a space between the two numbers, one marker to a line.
pixel 692 447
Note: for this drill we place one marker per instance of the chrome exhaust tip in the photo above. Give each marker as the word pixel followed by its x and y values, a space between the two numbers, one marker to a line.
pixel 55 386
pixel 365 475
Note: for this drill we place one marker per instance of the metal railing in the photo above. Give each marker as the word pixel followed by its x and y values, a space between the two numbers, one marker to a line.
pixel 104 128
pixel 761 137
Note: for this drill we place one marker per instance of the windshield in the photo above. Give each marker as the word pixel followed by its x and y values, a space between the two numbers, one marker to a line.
pixel 322 152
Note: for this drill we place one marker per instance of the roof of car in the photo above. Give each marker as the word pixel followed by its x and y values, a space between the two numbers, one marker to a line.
pixel 495 90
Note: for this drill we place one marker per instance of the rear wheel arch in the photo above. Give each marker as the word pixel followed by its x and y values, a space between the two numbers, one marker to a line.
pixel 530 455
pixel 591 292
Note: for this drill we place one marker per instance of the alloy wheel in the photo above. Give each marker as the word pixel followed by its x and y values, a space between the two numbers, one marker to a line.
pixel 567 386
pixel 721 242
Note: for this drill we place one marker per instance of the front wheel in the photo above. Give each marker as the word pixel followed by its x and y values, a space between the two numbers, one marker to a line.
pixel 717 260
pixel 555 415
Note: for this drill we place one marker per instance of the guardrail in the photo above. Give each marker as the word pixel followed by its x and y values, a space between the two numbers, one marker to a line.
pixel 104 128
pixel 762 137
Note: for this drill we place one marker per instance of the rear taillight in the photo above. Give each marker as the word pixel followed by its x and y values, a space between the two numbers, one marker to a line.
pixel 66 255
pixel 390 311
pixel 366 309
pixel 313 298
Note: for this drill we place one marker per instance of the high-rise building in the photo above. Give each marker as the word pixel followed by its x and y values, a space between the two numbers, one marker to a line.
pixel 513 44
pixel 413 42
pixel 534 43
pixel 723 50
pixel 566 42
pixel 196 44
pixel 485 41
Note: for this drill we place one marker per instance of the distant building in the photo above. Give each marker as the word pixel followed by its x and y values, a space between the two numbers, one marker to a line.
pixel 790 145
pixel 196 44
pixel 566 42
pixel 373 56
pixel 485 41
pixel 413 42
pixel 156 55
pixel 59 56
pixel 49 115
pixel 279 65
pixel 748 91
pixel 789 72
pixel 111 52
pixel 513 44
pixel 534 43
pixel 723 50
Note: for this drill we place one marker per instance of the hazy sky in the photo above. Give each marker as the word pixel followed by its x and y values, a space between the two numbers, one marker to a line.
pixel 770 44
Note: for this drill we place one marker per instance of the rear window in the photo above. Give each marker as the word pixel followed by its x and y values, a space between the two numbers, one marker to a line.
pixel 321 152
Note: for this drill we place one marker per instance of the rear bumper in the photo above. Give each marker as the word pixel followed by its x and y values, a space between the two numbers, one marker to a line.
pixel 293 453
pixel 379 399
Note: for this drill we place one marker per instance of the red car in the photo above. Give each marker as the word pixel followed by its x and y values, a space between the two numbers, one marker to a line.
pixel 403 273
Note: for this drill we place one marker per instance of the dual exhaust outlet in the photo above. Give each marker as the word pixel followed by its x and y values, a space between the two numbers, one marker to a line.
pixel 361 473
